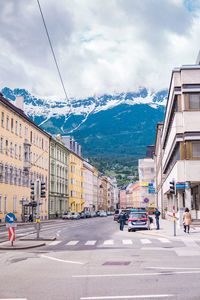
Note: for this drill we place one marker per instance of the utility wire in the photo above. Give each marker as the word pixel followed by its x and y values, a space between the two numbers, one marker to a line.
pixel 57 67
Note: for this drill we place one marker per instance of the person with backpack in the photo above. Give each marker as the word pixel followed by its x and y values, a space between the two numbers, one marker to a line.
pixel 157 215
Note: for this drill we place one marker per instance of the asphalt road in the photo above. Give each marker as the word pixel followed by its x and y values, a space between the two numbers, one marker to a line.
pixel 91 260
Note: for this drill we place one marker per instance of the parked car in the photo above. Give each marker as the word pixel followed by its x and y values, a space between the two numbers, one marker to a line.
pixel 108 213
pixel 103 214
pixel 67 216
pixel 88 214
pixel 82 215
pixel 98 213
pixel 75 216
pixel 138 220
pixel 93 214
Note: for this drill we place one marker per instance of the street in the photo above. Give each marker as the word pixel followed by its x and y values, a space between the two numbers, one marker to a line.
pixel 93 259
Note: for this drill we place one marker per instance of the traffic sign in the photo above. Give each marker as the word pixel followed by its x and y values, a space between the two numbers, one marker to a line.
pixel 10 218
pixel 11 231
pixel 146 200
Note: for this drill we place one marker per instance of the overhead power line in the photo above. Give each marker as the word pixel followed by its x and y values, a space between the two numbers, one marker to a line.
pixel 57 66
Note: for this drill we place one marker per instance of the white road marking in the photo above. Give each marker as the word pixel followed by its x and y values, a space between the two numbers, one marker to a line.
pixel 13 298
pixel 158 249
pixel 145 241
pixel 172 268
pixel 54 243
pixel 135 274
pixel 58 233
pixel 90 243
pixel 72 243
pixel 126 297
pixel 62 260
pixel 127 242
pixel 108 242
pixel 163 240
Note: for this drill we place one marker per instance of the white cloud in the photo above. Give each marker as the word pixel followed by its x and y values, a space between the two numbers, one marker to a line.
pixel 101 46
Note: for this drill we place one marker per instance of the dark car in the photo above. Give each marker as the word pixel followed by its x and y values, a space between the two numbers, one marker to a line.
pixel 82 215
pixel 88 214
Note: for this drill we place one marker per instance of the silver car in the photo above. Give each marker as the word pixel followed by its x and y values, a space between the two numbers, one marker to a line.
pixel 138 220
pixel 67 216
pixel 75 216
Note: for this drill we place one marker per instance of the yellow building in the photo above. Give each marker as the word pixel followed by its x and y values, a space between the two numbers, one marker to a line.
pixel 24 157
pixel 105 193
pixel 76 183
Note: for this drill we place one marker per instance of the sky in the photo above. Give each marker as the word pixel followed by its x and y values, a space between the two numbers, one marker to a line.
pixel 102 46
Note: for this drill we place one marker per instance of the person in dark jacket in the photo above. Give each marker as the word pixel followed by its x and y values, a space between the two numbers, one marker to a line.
pixel 122 219
pixel 157 215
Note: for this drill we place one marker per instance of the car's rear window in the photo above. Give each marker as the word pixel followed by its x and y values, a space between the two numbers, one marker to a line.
pixel 138 216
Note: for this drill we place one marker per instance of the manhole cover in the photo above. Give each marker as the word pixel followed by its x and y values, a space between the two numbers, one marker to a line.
pixel 116 263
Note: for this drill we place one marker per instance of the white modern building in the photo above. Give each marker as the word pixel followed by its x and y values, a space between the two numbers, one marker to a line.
pixel 181 140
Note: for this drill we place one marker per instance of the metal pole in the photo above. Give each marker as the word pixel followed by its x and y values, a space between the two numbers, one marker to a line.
pixel 38 207
pixel 174 217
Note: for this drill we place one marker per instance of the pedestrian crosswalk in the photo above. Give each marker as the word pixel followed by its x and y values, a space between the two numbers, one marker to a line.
pixel 105 243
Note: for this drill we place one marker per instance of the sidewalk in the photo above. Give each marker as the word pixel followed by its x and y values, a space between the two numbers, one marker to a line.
pixel 167 231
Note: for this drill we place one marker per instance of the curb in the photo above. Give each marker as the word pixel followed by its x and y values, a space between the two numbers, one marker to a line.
pixel 29 223
pixel 40 239
pixel 22 247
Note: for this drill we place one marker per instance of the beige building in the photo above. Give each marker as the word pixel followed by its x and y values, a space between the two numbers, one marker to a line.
pixel 24 157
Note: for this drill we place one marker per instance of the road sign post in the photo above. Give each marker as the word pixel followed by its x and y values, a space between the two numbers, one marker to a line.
pixel 38 192
pixel 10 219
pixel 173 191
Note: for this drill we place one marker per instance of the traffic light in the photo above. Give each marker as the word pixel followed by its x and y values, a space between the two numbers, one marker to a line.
pixel 43 190
pixel 32 190
pixel 172 187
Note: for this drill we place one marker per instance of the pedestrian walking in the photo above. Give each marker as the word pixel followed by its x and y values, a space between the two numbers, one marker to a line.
pixel 187 220
pixel 157 215
pixel 122 219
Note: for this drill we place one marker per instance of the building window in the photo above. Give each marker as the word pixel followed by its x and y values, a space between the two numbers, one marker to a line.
pixel 7 147
pixel 20 152
pixel 194 101
pixel 46 146
pixel 14 203
pixel 73 169
pixel 12 124
pixel 1 172
pixel 1 144
pixel 0 203
pixel 16 127
pixel 7 123
pixel 2 119
pixel 26 132
pixel 72 180
pixel 72 193
pixel 5 204
pixel 15 150
pixel 31 136
pixel 196 150
pixel 20 129
pixel 11 148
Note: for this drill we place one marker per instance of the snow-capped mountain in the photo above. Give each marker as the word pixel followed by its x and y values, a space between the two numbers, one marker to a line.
pixel 123 118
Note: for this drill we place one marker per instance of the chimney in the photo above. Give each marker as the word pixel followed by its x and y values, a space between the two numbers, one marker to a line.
pixel 19 102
